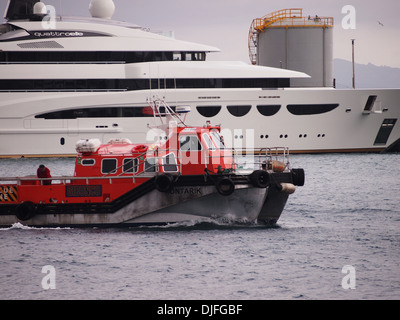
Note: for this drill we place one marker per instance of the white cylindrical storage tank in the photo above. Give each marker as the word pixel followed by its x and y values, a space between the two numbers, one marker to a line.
pixel 286 39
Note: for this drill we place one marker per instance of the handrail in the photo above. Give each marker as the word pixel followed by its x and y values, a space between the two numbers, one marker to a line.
pixel 268 155
pixel 61 178
pixel 291 17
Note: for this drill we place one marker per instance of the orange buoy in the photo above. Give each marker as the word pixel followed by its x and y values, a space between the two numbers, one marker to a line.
pixel 278 166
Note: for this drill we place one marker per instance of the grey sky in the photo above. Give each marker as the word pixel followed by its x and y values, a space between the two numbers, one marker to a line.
pixel 225 24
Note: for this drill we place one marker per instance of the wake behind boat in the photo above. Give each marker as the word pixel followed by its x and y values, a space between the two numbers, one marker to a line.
pixel 186 174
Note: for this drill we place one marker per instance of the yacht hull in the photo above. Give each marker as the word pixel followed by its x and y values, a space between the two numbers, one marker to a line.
pixel 352 126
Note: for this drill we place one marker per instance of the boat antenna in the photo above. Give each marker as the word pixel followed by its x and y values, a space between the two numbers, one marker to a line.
pixel 167 111
pixel 353 63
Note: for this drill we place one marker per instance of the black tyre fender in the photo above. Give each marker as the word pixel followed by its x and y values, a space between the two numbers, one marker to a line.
pixel 298 177
pixel 26 210
pixel 164 182
pixel 260 179
pixel 225 186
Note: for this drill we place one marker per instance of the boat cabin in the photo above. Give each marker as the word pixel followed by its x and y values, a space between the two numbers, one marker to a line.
pixel 186 151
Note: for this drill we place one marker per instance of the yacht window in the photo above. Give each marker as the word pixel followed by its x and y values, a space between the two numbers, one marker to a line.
pixel 99 85
pixel 268 110
pixel 169 163
pixel 108 166
pixel 189 143
pixel 208 141
pixel 201 56
pixel 109 112
pixel 310 109
pixel 385 131
pixel 239 111
pixel 208 111
pixel 218 140
pixel 177 56
pixel 130 164
pixel 370 103
pixel 105 57
pixel 189 57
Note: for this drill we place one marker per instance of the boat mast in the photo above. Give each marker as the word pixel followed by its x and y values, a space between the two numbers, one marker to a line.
pixel 354 70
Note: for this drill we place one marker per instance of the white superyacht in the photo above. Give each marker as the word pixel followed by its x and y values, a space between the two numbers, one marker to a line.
pixel 63 79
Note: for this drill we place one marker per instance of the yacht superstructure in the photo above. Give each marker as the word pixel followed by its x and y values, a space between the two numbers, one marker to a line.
pixel 92 77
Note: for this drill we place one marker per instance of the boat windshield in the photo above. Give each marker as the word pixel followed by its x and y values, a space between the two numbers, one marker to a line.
pixel 208 141
pixel 218 140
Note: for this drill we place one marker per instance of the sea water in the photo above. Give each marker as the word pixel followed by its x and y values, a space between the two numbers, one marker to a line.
pixel 338 238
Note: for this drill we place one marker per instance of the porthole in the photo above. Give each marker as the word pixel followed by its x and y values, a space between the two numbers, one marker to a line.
pixel 88 162
pixel 239 111
pixel 208 111
pixel 268 110
pixel 311 109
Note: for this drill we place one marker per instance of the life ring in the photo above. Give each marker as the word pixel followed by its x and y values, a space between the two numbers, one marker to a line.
pixel 260 179
pixel 298 177
pixel 26 210
pixel 140 148
pixel 164 182
pixel 225 186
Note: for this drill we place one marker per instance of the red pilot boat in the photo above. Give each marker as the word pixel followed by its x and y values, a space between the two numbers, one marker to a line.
pixel 186 174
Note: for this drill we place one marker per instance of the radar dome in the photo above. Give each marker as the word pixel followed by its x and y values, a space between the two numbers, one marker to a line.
pixel 39 8
pixel 102 9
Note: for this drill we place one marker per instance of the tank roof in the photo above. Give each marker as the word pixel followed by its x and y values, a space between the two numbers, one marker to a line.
pixel 285 18
pixel 291 18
